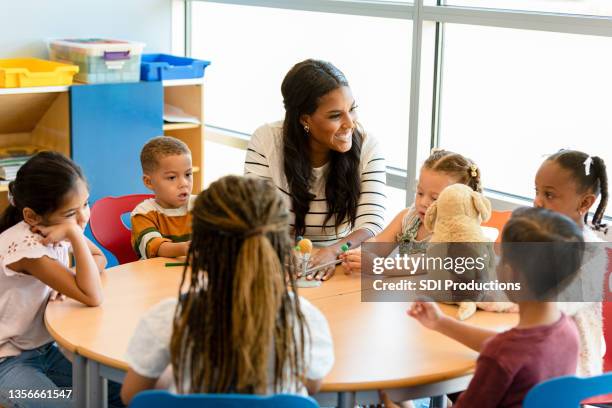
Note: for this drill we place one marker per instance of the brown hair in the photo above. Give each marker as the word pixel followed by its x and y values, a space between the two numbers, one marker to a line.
pixel 159 147
pixel 595 182
pixel 455 165
pixel 238 312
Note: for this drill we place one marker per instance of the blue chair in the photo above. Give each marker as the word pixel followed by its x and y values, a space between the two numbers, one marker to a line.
pixel 164 399
pixel 567 392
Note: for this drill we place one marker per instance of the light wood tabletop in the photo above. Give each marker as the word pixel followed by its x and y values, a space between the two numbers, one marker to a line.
pixel 376 344
pixel 102 333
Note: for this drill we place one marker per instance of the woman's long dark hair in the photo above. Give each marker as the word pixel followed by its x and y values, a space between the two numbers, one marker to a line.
pixel 41 185
pixel 302 89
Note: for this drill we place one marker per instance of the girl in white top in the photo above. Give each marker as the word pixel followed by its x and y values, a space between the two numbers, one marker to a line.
pixel 329 170
pixel 569 182
pixel 237 328
pixel 441 169
pixel 47 214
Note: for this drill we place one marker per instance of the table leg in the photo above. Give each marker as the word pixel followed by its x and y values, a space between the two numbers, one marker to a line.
pixel 346 399
pixel 79 381
pixel 437 401
pixel 97 392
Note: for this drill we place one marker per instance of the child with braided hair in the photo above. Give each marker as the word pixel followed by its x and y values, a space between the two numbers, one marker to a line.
pixel 569 183
pixel 240 326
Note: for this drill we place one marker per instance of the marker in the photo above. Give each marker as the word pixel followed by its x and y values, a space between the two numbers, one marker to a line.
pixel 175 264
pixel 343 249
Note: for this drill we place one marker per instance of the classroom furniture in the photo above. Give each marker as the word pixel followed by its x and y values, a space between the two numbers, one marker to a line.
pixel 498 220
pixel 164 399
pixel 103 128
pixel 567 392
pixel 108 228
pixel 376 345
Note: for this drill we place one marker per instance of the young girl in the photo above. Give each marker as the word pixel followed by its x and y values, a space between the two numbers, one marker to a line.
pixel 441 169
pixel 237 329
pixel 544 344
pixel 47 213
pixel 569 182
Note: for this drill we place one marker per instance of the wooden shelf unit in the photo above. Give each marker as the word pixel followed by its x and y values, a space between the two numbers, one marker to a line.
pixel 34 117
pixel 188 95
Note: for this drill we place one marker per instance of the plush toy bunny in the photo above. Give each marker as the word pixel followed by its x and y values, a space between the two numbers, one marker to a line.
pixel 455 217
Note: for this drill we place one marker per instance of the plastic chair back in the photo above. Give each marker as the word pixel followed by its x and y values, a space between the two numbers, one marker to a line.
pixel 164 399
pixel 108 228
pixel 498 220
pixel 567 392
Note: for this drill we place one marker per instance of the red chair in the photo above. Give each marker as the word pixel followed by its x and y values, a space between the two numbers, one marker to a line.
pixel 606 311
pixel 108 228
pixel 498 220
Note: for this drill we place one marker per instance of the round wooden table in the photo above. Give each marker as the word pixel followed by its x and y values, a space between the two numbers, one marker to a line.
pixel 376 345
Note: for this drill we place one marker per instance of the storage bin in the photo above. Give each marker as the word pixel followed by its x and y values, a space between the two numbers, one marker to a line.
pixel 100 60
pixel 159 67
pixel 26 72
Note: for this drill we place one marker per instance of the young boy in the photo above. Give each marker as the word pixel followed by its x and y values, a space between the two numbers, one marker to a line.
pixel 543 251
pixel 161 226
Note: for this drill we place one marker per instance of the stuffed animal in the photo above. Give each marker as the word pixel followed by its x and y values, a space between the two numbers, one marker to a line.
pixel 455 217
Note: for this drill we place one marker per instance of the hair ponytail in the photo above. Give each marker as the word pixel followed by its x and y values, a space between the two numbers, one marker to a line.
pixel 590 174
pixel 11 214
pixel 238 304
pixel 599 168
pixel 41 184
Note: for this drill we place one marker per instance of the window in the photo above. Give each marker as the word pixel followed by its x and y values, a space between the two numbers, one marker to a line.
pixel 585 7
pixel 510 97
pixel 252 48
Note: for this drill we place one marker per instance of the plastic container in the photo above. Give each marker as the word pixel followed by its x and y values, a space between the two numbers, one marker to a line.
pixel 159 67
pixel 100 60
pixel 27 72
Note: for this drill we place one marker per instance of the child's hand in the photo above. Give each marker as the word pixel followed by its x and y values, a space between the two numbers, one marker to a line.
pixel 427 313
pixel 54 234
pixel 351 260
pixel 56 296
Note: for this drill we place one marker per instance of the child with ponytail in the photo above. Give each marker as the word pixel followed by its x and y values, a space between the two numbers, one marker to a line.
pixel 569 182
pixel 240 326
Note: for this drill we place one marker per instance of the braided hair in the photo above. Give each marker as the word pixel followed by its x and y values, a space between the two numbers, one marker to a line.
pixel 589 173
pixel 237 312
pixel 457 166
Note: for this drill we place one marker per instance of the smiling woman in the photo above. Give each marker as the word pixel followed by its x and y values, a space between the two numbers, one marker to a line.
pixel 330 170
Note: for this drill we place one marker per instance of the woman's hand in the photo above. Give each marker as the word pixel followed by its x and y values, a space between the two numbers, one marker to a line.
pixel 427 313
pixel 320 257
pixel 351 260
pixel 54 234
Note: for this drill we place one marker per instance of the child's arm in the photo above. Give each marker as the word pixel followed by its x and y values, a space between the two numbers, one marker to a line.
pixel 97 254
pixel 351 260
pixel 84 283
pixel 133 383
pixel 173 249
pixel 488 386
pixel 148 242
pixel 430 316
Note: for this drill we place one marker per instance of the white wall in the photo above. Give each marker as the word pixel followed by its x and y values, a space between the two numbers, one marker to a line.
pixel 26 24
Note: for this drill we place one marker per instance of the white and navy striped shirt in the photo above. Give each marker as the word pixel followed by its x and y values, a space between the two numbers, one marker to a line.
pixel 264 159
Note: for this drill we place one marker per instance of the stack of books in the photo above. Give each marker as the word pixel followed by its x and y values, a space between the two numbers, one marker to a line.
pixel 9 164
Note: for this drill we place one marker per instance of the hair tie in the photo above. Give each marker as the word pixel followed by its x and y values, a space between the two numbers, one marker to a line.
pixel 473 170
pixel 261 230
pixel 587 165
